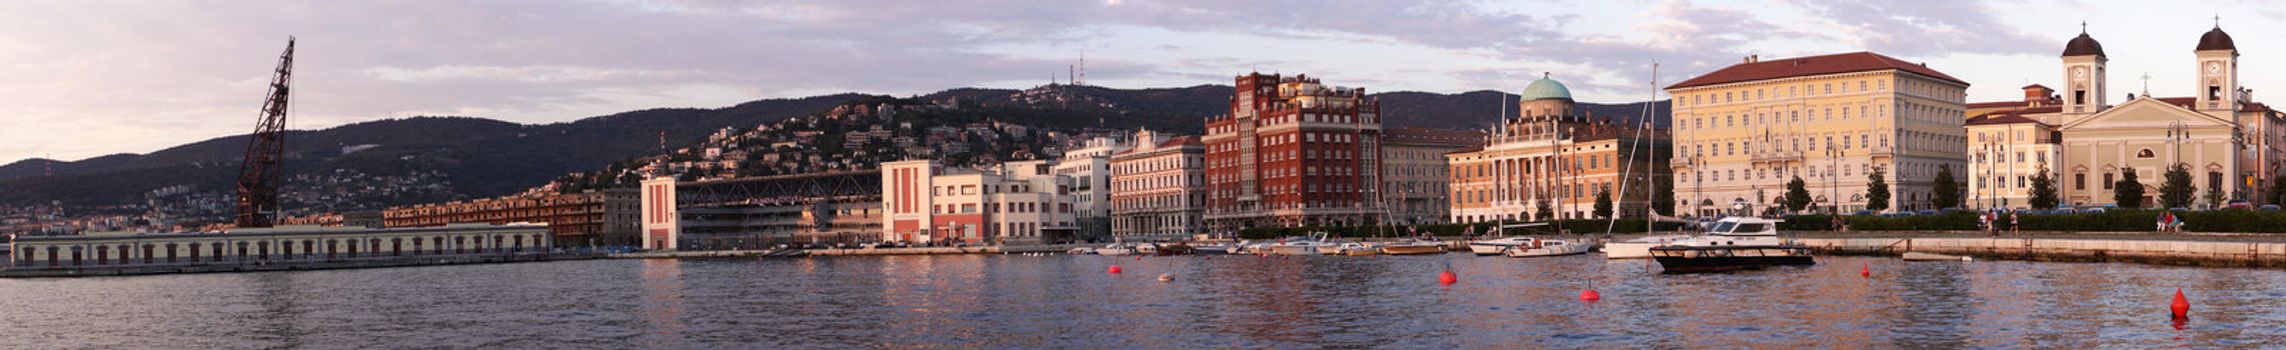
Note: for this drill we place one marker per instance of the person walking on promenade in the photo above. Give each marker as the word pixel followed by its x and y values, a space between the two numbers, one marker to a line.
pixel 2014 227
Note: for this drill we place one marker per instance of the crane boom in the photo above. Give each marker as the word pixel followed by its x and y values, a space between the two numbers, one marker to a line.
pixel 259 175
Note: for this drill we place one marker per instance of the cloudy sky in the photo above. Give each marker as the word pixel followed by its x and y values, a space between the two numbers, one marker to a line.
pixel 87 78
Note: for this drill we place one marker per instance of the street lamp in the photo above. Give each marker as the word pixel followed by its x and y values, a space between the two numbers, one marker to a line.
pixel 1833 176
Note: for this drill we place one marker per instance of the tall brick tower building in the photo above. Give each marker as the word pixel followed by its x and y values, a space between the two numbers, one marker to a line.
pixel 1293 152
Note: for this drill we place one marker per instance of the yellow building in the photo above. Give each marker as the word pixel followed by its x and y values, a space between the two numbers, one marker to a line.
pixel 2231 144
pixel 1742 132
pixel 1549 155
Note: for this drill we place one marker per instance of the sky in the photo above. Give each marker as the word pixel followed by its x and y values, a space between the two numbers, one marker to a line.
pixel 80 79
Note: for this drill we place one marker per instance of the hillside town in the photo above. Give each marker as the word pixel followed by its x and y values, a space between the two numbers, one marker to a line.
pixel 1846 133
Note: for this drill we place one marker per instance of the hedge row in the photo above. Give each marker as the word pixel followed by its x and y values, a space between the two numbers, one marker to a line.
pixel 1575 226
pixel 2110 221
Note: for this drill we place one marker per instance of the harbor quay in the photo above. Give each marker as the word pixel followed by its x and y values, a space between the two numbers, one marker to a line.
pixel 2198 249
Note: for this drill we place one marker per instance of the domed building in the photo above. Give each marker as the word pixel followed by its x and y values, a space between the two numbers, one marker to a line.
pixel 1549 159
pixel 2230 144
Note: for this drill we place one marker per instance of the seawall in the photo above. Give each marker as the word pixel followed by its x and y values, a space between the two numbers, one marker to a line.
pixel 2229 250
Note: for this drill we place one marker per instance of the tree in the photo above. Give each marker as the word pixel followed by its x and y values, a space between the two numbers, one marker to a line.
pixel 1665 191
pixel 1603 202
pixel 2176 192
pixel 1544 212
pixel 1947 190
pixel 2277 191
pixel 2214 197
pixel 1876 191
pixel 2128 192
pixel 2043 190
pixel 1797 194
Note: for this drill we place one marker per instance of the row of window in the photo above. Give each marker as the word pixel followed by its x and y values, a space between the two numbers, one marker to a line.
pixel 36 255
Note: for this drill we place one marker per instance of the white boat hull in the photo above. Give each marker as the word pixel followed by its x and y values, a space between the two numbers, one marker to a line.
pixel 1488 248
pixel 1568 248
pixel 1294 250
pixel 1114 251
pixel 1628 250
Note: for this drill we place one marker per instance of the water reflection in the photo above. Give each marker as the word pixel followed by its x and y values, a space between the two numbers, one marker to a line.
pixel 1224 302
pixel 662 302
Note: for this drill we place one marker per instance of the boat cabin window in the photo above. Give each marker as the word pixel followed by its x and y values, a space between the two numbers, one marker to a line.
pixel 1722 227
pixel 1751 227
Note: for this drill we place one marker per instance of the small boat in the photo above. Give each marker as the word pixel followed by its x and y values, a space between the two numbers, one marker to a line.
pixel 1495 246
pixel 1548 247
pixel 1919 256
pixel 1171 249
pixel 1116 249
pixel 1216 249
pixel 1296 246
pixel 1639 248
pixel 1414 247
pixel 1081 251
pixel 1354 249
pixel 1147 249
pixel 1734 243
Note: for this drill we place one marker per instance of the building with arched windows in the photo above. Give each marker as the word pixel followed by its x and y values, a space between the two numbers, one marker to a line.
pixel 1742 132
pixel 2230 144
pixel 1553 158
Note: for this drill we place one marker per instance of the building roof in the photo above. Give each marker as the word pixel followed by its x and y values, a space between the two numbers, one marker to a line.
pixel 2216 40
pixel 1995 104
pixel 1999 118
pixel 2083 46
pixel 1546 88
pixel 1427 135
pixel 1809 66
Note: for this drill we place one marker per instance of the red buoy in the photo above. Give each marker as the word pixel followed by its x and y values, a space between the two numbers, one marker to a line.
pixel 1590 295
pixel 1113 270
pixel 1865 271
pixel 2181 306
pixel 1447 278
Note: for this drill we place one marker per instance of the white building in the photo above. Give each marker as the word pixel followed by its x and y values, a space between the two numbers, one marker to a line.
pixel 1090 169
pixel 1158 189
pixel 1015 203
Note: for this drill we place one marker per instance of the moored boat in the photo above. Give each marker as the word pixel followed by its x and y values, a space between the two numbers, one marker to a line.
pixel 1115 249
pixel 1732 244
pixel 1295 246
pixel 1495 246
pixel 1639 248
pixel 1414 247
pixel 1547 247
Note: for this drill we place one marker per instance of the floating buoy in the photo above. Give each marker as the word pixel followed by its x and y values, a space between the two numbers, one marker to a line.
pixel 2181 306
pixel 1590 295
pixel 1447 277
pixel 1166 277
pixel 1865 271
pixel 1113 270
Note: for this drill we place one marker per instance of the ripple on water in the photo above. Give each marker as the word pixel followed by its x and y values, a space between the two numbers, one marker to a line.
pixel 1233 302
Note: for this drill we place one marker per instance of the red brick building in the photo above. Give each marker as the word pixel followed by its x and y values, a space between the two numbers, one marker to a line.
pixel 1293 152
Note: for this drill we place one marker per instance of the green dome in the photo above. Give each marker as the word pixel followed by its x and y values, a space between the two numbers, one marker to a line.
pixel 1546 88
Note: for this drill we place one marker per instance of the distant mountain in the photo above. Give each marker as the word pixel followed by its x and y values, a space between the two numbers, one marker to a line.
pixel 483 157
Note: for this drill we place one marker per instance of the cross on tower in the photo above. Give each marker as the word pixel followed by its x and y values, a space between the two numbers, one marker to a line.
pixel 2146 84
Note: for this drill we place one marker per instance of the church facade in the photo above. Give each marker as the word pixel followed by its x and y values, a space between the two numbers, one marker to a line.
pixel 2230 144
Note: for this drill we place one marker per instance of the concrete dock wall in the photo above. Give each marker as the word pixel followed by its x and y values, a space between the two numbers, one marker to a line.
pixel 2169 252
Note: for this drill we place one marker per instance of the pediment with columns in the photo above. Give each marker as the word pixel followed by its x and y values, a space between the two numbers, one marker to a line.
pixel 2145 114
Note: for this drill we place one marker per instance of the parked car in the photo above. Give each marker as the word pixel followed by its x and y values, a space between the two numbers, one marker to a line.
pixel 2268 207
pixel 2239 204
pixel 2095 210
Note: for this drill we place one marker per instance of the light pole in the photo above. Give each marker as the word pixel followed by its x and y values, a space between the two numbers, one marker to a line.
pixel 1833 176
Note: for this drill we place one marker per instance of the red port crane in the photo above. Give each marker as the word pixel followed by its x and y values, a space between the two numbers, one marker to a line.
pixel 259 175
